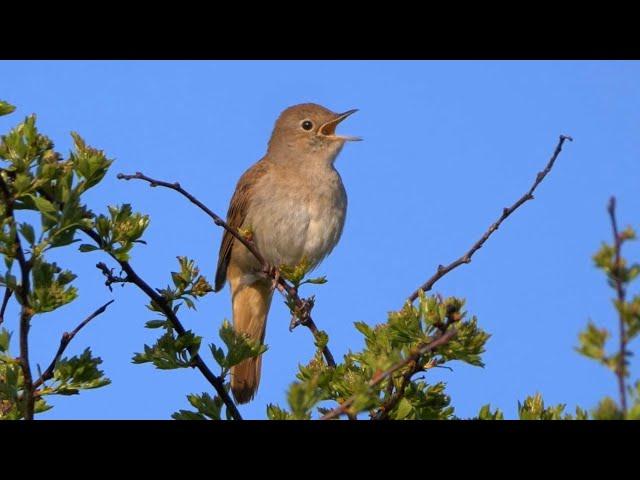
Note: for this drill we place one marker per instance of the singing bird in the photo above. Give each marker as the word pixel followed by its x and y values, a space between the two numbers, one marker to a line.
pixel 294 204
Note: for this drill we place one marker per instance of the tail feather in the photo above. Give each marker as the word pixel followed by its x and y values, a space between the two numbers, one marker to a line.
pixel 250 308
pixel 245 379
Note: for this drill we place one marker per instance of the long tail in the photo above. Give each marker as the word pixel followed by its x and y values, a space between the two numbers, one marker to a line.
pixel 250 308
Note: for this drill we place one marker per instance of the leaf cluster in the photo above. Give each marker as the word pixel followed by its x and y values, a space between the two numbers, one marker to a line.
pixel 400 396
pixel 37 182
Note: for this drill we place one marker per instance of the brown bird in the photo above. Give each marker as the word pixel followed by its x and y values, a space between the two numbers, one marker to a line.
pixel 294 204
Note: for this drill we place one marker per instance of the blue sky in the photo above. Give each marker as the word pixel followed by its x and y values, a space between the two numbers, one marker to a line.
pixel 446 146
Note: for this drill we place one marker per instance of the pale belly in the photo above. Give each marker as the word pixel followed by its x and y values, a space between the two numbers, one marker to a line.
pixel 297 226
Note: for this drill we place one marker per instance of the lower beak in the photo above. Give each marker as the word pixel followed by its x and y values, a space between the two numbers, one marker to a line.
pixel 329 128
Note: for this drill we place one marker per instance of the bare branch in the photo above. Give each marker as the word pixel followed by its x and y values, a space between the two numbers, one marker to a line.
pixel 64 342
pixel 303 306
pixel 5 301
pixel 621 296
pixel 414 357
pixel 466 258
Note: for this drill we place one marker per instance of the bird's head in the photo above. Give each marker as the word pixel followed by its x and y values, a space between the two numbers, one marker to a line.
pixel 308 130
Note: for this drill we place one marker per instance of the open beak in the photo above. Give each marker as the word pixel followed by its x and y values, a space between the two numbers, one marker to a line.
pixel 329 128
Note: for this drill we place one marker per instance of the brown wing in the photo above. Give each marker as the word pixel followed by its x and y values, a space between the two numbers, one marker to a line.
pixel 235 217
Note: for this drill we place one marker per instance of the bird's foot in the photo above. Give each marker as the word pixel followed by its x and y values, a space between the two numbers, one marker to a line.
pixel 273 273
pixel 276 278
pixel 294 323
pixel 302 312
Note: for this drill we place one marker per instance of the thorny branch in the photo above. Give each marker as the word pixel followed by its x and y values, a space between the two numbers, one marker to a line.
pixel 64 342
pixel 621 294
pixel 26 312
pixel 302 314
pixel 466 258
pixel 5 300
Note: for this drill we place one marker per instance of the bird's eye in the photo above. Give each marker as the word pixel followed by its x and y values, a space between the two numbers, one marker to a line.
pixel 307 125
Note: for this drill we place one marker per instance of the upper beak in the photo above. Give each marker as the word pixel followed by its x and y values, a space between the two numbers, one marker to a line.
pixel 329 128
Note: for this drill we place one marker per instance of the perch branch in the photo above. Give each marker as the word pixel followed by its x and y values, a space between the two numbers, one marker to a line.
pixel 303 306
pixel 5 301
pixel 506 212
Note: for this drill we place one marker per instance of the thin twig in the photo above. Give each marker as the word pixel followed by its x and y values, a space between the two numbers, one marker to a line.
pixel 393 398
pixel 5 301
pixel 64 342
pixel 110 277
pixel 382 413
pixel 303 307
pixel 26 312
pixel 466 258
pixel 414 357
pixel 621 294
pixel 196 360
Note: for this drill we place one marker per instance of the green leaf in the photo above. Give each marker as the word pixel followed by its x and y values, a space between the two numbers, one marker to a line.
pixel 592 341
pixel 89 163
pixel 45 207
pixel 206 406
pixel 156 324
pixel 239 346
pixel 85 247
pixel 6 108
pixel 428 402
pixel 274 412
pixel 403 410
pixel 301 400
pixel 468 345
pixel 533 408
pixel 22 184
pixel 295 273
pixel 363 328
pixel 79 373
pixel 607 409
pixel 50 287
pixel 320 339
pixel 317 281
pixel 5 338
pixel 486 413
pixel 218 354
pixel 187 415
pixel 27 232
pixel 170 352
pixel 41 405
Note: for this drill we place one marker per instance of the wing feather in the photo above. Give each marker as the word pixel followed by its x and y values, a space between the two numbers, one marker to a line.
pixel 235 217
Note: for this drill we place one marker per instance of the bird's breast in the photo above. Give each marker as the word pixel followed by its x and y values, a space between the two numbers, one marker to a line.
pixel 298 220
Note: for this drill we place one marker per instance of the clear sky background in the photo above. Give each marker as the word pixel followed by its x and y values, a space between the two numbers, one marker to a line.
pixel 446 146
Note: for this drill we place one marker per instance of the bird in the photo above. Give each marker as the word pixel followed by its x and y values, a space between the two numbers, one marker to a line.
pixel 293 204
